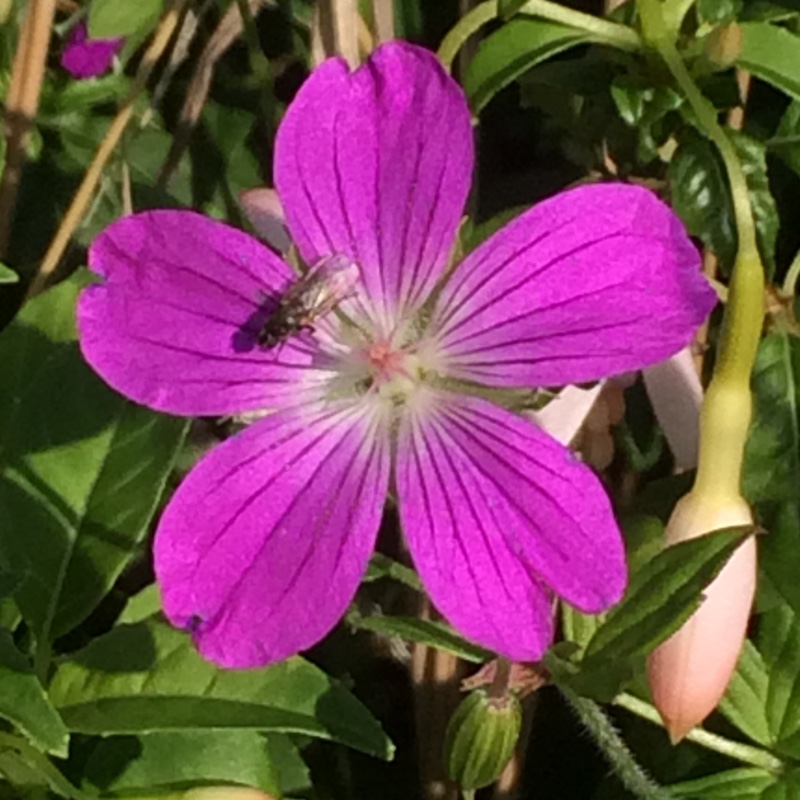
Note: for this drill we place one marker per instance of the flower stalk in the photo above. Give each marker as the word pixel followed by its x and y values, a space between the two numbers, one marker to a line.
pixel 689 673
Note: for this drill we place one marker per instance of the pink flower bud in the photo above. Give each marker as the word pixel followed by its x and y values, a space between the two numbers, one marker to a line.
pixel 226 793
pixel 264 211
pixel 688 674
pixel 211 793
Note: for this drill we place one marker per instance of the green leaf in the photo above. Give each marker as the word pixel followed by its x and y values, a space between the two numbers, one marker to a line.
pixel 663 595
pixel 779 644
pixel 147 678
pixel 718 12
pixel 630 99
pixel 179 760
pixel 293 774
pixel 600 680
pixel 511 51
pixel 507 8
pixel 409 18
pixel 9 583
pixel 23 775
pixel 28 341
pixel 381 566
pixel 768 11
pixel 82 468
pixel 772 455
pixel 70 104
pixel 578 627
pixel 427 632
pixel 745 783
pixel 772 54
pixel 745 699
pixel 111 18
pixel 700 195
pixel 23 701
pixel 786 142
pixel 144 604
pixel 643 108
pixel 475 234
pixel 7 275
pixel 779 553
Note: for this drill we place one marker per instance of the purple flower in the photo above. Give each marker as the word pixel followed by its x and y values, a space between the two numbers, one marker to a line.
pixel 263 546
pixel 83 57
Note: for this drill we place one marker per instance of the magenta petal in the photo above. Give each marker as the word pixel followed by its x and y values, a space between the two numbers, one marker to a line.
pixel 593 282
pixel 173 324
pixel 495 513
pixel 263 545
pixel 376 165
pixel 83 57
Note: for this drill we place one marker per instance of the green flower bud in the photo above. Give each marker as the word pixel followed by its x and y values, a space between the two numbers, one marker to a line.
pixel 480 738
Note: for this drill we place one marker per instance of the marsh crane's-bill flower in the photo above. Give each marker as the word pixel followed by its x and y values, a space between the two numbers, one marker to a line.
pixel 85 58
pixel 262 547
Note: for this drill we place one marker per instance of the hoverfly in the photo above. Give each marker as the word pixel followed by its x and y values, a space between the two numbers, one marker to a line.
pixel 308 299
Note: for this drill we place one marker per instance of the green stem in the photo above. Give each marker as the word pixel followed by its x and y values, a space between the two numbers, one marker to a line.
pixel 674 12
pixel 469 24
pixel 627 769
pixel 782 141
pixel 790 281
pixel 745 753
pixel 728 403
pixel 58 783
pixel 601 30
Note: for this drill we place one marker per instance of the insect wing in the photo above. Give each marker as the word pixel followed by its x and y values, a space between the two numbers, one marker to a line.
pixel 325 286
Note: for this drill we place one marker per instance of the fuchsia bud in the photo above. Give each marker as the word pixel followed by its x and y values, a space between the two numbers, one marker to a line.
pixel 211 793
pixel 226 793
pixel 264 211
pixel 688 674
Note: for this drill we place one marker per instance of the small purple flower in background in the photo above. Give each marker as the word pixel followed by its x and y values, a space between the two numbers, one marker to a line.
pixel 83 57
pixel 264 544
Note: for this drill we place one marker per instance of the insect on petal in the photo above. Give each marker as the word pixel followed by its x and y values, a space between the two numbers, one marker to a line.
pixel 173 324
pixel 376 165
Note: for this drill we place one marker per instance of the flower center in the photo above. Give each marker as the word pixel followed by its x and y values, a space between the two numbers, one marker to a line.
pixel 394 372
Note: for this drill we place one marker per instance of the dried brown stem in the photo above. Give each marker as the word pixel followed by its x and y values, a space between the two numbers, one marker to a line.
pixel 436 677
pixel 383 17
pixel 83 196
pixel 22 103
pixel 335 30
pixel 227 32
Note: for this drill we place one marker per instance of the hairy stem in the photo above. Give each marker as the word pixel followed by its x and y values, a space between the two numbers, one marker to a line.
pixel 625 766
pixel 35 758
pixel 727 408
pixel 745 753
